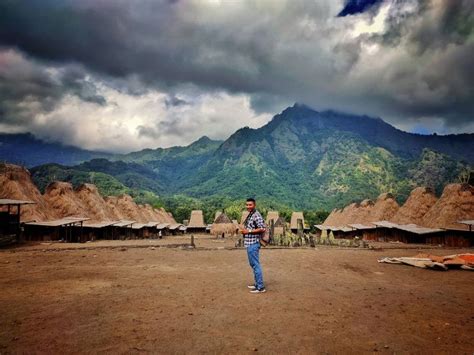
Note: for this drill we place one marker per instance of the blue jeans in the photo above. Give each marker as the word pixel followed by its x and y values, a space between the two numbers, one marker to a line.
pixel 253 255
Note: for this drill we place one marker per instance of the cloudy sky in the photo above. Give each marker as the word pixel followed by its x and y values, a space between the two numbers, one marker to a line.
pixel 123 75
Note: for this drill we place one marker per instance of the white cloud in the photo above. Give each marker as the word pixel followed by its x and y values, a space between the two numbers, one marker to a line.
pixel 132 122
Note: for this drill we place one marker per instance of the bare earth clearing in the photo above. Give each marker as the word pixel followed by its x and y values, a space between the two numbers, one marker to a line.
pixel 95 298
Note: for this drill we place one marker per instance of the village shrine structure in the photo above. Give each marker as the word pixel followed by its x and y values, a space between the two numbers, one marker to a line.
pixel 276 223
pixel 297 222
pixel 196 222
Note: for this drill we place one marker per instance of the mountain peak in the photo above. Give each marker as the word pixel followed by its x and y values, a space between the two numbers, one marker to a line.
pixel 299 107
pixel 203 141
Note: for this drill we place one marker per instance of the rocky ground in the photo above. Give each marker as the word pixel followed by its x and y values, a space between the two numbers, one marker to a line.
pixel 151 296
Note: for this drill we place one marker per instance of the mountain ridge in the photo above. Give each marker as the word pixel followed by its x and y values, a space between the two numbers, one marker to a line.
pixel 302 158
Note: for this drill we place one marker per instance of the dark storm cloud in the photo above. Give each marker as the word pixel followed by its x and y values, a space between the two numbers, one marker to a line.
pixel 27 89
pixel 295 50
pixel 357 6
pixel 441 41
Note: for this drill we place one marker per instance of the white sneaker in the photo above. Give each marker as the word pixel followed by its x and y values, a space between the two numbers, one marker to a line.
pixel 252 287
pixel 258 291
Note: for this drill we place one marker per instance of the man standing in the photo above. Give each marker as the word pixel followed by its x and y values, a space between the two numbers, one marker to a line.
pixel 254 227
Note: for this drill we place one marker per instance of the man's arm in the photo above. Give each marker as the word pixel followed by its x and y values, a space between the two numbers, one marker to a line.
pixel 259 222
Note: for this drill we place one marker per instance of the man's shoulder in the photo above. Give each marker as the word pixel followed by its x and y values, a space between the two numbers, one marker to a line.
pixel 257 214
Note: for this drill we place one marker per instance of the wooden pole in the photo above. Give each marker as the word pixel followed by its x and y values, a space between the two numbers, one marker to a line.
pixel 18 231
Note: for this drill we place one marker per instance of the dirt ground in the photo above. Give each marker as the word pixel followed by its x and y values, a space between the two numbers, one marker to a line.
pixel 144 296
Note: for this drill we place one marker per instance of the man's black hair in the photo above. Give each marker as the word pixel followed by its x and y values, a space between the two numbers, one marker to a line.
pixel 251 199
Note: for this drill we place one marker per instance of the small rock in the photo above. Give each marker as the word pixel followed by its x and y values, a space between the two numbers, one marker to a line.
pixel 152 248
pixel 123 249
pixel 255 349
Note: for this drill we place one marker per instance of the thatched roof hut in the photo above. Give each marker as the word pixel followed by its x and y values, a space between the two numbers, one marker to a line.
pixel 223 225
pixel 280 222
pixel 295 216
pixel 196 222
pixel 272 215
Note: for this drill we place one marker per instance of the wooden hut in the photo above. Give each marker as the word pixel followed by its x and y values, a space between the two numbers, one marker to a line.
pixel 162 229
pixel 139 231
pixel 152 231
pixel 295 216
pixel 177 228
pixel 10 211
pixel 196 222
pixel 223 226
pixel 460 237
pixel 272 216
pixel 386 231
pixel 279 227
pixel 342 232
pixel 363 231
pixel 122 229
pixel 60 229
pixel 96 230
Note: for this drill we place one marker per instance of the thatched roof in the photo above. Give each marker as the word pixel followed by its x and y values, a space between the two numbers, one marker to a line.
pixel 455 204
pixel 196 220
pixel 222 218
pixel 416 206
pixel 218 213
pixel 280 222
pixel 16 183
pixel 94 203
pixel 223 224
pixel 61 198
pixel 385 207
pixel 272 215
pixel 334 217
pixel 294 219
